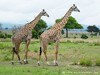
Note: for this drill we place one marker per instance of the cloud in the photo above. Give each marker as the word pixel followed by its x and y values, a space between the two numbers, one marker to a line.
pixel 21 11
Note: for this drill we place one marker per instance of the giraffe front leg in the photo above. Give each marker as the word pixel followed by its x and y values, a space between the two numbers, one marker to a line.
pixel 26 52
pixel 56 53
pixel 16 51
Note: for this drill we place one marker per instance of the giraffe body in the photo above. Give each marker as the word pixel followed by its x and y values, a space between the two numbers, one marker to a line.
pixel 24 34
pixel 54 34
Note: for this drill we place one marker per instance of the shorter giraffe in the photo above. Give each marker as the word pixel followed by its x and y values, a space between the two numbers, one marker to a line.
pixel 25 34
pixel 54 34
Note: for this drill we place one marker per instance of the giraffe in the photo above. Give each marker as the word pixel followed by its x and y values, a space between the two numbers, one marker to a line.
pixel 54 34
pixel 24 34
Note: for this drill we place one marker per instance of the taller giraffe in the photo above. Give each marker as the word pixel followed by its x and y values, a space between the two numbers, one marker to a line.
pixel 24 34
pixel 54 34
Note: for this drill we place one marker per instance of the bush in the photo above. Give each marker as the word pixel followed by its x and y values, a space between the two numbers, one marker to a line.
pixel 84 36
pixel 35 34
pixel 50 43
pixel 8 35
pixel 2 35
pixel 5 35
pixel 68 41
pixel 62 31
pixel 85 62
pixel 96 43
pixel 36 50
pixel 97 62
pixel 6 58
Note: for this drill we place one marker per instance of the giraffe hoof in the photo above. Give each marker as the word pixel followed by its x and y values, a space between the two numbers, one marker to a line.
pixel 38 64
pixel 25 62
pixel 48 65
pixel 12 63
pixel 20 62
pixel 56 64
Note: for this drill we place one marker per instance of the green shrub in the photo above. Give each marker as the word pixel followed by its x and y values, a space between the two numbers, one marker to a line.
pixel 35 34
pixel 75 37
pixel 36 50
pixel 6 57
pixel 96 43
pixel 68 41
pixel 2 35
pixel 50 43
pixel 97 62
pixel 85 62
pixel 81 41
pixel 84 36
pixel 5 35
pixel 8 35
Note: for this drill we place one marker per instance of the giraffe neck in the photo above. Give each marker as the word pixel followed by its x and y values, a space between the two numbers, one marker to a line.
pixel 33 23
pixel 64 20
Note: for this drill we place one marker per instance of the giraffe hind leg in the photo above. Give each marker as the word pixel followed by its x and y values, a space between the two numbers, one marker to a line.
pixel 39 56
pixel 13 50
pixel 45 52
pixel 16 52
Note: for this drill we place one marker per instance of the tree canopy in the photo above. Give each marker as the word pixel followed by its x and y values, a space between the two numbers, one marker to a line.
pixel 92 29
pixel 39 28
pixel 71 24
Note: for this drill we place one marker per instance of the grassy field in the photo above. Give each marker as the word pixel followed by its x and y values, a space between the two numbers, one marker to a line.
pixel 73 57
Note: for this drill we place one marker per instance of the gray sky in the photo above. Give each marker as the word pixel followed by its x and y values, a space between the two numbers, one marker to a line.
pixel 23 11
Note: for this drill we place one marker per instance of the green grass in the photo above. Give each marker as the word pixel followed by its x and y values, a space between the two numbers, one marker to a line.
pixel 69 52
pixel 97 62
pixel 7 69
pixel 85 62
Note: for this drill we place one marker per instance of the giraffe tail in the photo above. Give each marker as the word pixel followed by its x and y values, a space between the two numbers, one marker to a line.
pixel 40 50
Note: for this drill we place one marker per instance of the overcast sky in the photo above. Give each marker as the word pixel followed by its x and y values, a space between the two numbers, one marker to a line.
pixel 23 11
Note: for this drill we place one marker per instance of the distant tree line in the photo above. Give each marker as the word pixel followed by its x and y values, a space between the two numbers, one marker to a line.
pixel 4 35
pixel 42 26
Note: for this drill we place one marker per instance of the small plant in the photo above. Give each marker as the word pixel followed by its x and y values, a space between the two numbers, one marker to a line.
pixel 6 58
pixel 36 50
pixel 75 37
pixel 96 43
pixel 50 43
pixel 75 63
pixel 97 62
pixel 68 41
pixel 85 62
pixel 84 36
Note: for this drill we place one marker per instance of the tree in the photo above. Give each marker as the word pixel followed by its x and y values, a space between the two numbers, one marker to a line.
pixel 71 24
pixel 15 29
pixel 39 28
pixel 93 29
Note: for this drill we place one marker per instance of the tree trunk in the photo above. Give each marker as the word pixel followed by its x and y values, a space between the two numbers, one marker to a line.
pixel 66 33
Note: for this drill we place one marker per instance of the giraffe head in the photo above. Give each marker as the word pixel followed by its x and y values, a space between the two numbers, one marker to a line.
pixel 44 13
pixel 74 8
